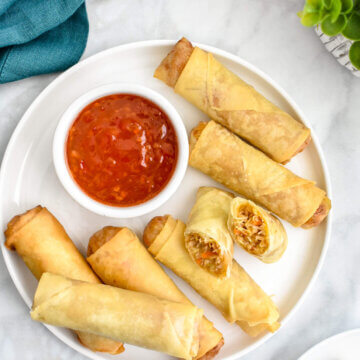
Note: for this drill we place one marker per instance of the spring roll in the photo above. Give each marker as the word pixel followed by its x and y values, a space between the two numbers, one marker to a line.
pixel 207 238
pixel 256 230
pixel 224 97
pixel 119 258
pixel 238 297
pixel 44 246
pixel 217 152
pixel 123 315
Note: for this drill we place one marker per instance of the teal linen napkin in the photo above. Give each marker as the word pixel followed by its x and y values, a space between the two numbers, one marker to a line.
pixel 40 36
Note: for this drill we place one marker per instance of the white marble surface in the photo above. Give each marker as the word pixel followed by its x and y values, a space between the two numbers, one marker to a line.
pixel 269 35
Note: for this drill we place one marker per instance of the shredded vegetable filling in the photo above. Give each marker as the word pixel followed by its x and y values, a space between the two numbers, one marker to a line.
pixel 250 231
pixel 206 253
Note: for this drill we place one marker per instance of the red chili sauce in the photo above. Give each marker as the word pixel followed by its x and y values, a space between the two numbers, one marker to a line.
pixel 122 150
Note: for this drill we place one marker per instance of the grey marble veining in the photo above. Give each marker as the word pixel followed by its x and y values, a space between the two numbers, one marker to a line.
pixel 269 35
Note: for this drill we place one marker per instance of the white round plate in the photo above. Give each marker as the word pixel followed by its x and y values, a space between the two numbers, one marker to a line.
pixel 343 346
pixel 28 178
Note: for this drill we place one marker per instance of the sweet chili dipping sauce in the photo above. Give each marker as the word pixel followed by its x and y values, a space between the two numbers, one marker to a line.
pixel 122 150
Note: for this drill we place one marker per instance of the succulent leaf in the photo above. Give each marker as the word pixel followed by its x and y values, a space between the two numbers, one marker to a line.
pixel 335 10
pixel 347 6
pixel 354 54
pixel 313 5
pixel 352 29
pixel 328 4
pixel 331 29
pixel 310 19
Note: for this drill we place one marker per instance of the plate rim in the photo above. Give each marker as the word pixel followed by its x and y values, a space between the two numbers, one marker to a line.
pixel 158 43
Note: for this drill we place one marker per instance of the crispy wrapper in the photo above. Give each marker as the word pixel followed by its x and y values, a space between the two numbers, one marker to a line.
pixel 44 246
pixel 238 297
pixel 119 258
pixel 123 315
pixel 223 96
pixel 207 238
pixel 217 152
pixel 256 230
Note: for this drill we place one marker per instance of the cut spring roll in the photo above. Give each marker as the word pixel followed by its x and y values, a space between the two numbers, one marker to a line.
pixel 119 258
pixel 256 230
pixel 44 246
pixel 123 315
pixel 223 96
pixel 207 238
pixel 226 158
pixel 238 297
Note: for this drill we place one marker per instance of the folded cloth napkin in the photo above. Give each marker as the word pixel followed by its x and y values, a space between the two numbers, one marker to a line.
pixel 40 36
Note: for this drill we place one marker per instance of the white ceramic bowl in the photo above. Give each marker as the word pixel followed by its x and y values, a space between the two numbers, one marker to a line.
pixel 62 170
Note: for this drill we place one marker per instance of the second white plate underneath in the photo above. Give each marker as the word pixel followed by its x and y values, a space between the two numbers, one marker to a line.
pixel 343 346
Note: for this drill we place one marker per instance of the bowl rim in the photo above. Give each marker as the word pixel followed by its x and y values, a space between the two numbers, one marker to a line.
pixel 59 152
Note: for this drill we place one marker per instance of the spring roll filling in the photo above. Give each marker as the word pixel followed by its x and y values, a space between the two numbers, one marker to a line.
pixel 206 252
pixel 250 231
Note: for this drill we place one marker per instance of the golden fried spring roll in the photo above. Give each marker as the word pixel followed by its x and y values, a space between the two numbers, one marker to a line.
pixel 207 238
pixel 217 152
pixel 119 258
pixel 206 83
pixel 238 297
pixel 123 315
pixel 256 230
pixel 44 246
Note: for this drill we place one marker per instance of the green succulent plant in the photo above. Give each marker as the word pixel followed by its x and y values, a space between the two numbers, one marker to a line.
pixel 336 17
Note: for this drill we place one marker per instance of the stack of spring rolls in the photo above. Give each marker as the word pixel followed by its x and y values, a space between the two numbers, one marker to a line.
pixel 239 113
pixel 243 147
pixel 122 295
pixel 201 253
pixel 236 295
pixel 136 304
